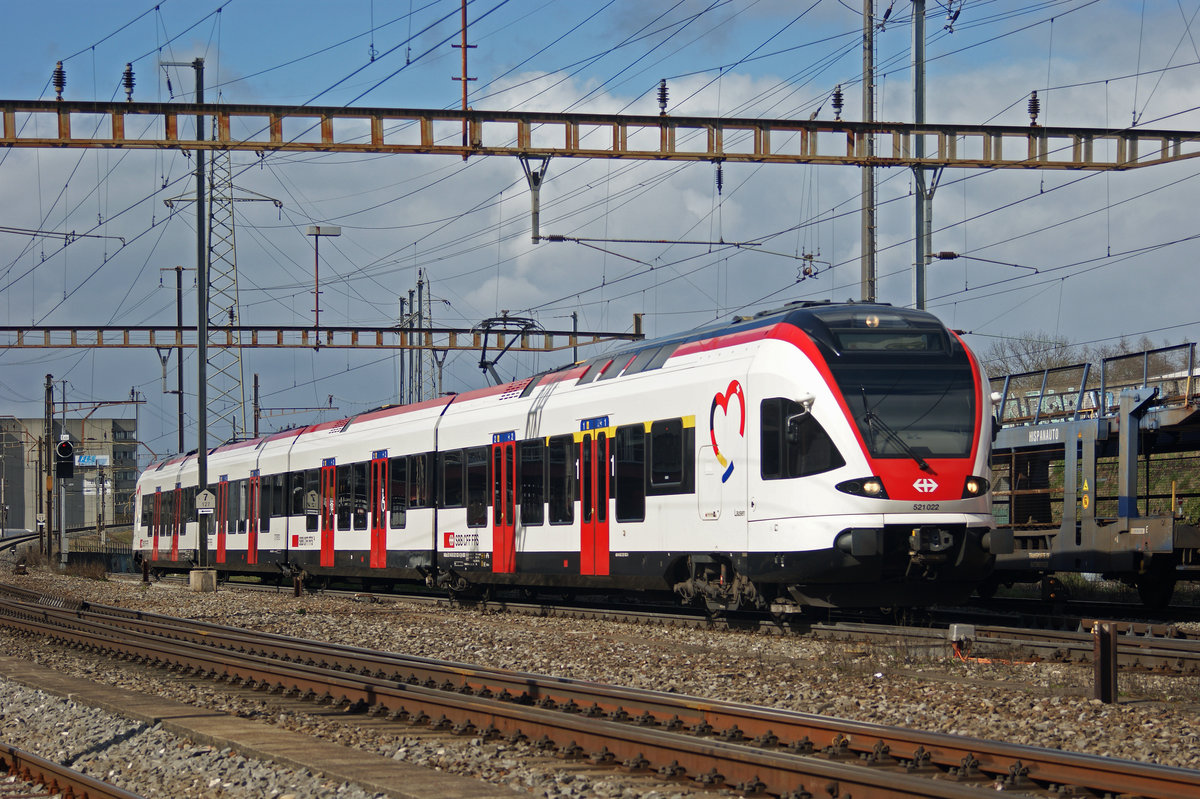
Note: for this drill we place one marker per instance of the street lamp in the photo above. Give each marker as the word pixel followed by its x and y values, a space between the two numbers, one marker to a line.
pixel 317 231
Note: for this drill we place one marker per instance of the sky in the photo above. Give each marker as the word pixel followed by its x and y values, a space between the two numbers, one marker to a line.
pixel 1092 257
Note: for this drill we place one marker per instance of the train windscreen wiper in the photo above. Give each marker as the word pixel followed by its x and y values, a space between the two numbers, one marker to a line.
pixel 872 419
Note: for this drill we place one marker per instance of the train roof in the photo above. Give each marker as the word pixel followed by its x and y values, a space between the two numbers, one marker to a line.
pixel 820 319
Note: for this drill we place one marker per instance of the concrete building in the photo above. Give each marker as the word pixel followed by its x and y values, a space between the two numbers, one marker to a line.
pixel 101 492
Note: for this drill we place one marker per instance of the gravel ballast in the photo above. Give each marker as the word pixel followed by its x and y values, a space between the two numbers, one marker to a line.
pixel 1040 704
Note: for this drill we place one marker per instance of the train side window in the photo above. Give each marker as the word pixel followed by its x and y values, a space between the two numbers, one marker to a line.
pixel 630 464
pixel 771 438
pixel 242 495
pixel 452 478
pixel 638 364
pixel 533 482
pixel 279 500
pixel 561 478
pixel 398 477
pixel 666 452
pixel 477 487
pixel 362 489
pixel 793 442
pixel 531 385
pixel 295 493
pixel 266 492
pixel 265 497
pixel 345 495
pixel 615 370
pixel 660 357
pixel 418 479
pixel 312 482
pixel 594 371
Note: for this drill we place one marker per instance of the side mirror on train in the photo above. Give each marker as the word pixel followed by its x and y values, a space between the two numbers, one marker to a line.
pixel 804 405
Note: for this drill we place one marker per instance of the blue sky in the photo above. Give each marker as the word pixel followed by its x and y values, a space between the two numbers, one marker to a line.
pixel 1110 250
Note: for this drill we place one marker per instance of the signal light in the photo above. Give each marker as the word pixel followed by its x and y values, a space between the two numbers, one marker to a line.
pixel 64 460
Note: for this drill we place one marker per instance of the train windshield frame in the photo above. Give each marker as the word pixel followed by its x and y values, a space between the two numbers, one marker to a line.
pixel 909 385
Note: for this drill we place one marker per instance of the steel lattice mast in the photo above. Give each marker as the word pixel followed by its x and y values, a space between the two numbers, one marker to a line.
pixel 227 396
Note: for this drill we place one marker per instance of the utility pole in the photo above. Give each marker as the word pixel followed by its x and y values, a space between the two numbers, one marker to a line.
pixel 926 180
pixel 202 312
pixel 412 354
pixel 201 322
pixel 48 461
pixel 63 544
pixel 178 270
pixel 868 171
pixel 466 142
pixel 420 373
pixel 400 355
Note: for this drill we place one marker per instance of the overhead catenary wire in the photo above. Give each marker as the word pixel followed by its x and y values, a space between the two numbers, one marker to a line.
pixel 495 233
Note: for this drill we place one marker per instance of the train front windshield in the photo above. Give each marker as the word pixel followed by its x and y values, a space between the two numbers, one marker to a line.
pixel 908 383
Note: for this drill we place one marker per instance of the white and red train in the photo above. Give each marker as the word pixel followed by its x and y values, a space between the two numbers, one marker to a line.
pixel 817 454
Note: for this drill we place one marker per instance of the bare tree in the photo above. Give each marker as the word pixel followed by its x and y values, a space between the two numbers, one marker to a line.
pixel 1031 351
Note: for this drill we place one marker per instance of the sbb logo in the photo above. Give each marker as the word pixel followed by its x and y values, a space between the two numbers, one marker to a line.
pixel 925 485
pixel 448 540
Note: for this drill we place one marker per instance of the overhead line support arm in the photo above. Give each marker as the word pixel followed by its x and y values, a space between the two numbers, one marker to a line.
pixel 529 134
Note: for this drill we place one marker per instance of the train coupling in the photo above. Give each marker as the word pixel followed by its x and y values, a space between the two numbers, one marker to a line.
pixel 923 540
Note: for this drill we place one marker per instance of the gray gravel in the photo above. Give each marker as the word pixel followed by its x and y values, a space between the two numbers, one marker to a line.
pixel 145 759
pixel 1040 704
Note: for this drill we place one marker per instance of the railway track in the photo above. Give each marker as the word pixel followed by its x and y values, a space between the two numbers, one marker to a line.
pixel 55 780
pixel 1141 646
pixel 749 748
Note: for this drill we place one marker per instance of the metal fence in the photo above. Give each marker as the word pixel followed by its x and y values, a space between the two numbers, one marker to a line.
pixel 114 557
pixel 1080 391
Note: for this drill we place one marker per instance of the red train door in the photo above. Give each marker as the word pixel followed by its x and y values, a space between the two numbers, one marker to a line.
pixel 156 526
pixel 222 517
pixel 252 522
pixel 328 497
pixel 504 511
pixel 176 522
pixel 379 503
pixel 593 504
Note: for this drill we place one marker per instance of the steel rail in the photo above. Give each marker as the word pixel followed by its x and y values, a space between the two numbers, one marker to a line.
pixel 1133 651
pixel 58 778
pixel 996 763
pixel 574 736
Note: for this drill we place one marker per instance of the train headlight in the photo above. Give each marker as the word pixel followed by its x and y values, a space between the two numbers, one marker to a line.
pixel 975 487
pixel 864 487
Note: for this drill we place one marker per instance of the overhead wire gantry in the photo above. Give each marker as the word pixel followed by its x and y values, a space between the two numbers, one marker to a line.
pixel 538 135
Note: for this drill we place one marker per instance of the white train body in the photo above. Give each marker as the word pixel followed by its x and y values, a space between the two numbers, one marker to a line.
pixel 825 454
